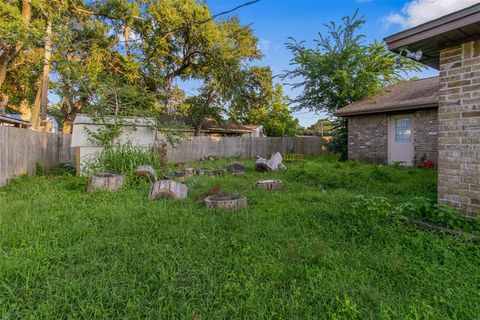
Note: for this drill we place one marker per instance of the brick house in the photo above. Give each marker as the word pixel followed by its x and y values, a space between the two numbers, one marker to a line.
pixel 399 125
pixel 451 44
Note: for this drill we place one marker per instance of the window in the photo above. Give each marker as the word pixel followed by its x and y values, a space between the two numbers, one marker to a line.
pixel 403 130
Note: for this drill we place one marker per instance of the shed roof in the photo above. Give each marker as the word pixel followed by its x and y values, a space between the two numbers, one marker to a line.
pixel 457 27
pixel 414 94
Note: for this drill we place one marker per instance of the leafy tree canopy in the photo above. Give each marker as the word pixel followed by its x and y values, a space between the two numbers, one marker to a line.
pixel 275 116
pixel 341 69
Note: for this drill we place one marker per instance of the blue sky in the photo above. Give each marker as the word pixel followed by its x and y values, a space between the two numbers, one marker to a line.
pixel 273 21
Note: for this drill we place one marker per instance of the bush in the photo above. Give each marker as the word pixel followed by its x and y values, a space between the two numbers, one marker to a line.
pixel 418 208
pixel 123 159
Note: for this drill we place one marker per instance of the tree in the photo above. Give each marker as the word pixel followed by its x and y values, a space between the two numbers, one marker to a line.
pixel 275 117
pixel 17 34
pixel 322 127
pixel 103 49
pixel 252 89
pixel 340 69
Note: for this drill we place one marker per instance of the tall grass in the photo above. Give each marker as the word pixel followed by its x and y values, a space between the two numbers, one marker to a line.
pixel 310 251
pixel 123 159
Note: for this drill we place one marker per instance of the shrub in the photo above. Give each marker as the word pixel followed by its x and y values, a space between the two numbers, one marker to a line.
pixel 123 159
pixel 419 208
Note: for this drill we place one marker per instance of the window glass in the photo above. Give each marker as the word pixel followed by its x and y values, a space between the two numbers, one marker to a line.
pixel 403 130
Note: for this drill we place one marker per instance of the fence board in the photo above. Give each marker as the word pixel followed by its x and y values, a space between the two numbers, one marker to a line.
pixel 21 150
pixel 246 147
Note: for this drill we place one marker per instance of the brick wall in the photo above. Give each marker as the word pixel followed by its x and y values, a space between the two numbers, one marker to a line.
pixel 425 133
pixel 367 138
pixel 459 127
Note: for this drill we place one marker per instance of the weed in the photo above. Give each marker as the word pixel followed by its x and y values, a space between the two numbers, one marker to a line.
pixel 296 254
pixel 122 159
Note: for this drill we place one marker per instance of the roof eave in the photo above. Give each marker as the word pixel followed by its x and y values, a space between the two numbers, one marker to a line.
pixel 433 35
pixel 387 109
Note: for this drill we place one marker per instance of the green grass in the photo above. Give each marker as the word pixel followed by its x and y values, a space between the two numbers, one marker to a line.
pixel 301 253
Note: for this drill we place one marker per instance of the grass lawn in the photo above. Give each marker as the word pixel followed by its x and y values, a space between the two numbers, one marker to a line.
pixel 295 254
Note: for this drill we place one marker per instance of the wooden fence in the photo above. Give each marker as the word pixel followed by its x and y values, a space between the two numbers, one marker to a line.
pixel 246 147
pixel 21 150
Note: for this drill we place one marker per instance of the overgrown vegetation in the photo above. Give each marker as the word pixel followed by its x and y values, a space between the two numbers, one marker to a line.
pixel 340 69
pixel 130 58
pixel 313 250
pixel 124 158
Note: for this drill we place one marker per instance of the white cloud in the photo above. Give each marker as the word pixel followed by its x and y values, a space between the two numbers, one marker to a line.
pixel 419 11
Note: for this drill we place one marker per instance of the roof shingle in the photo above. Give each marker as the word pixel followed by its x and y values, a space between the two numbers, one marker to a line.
pixel 415 94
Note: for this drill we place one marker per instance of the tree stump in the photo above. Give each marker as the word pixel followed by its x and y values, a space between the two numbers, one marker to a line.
pixel 219 172
pixel 168 189
pixel 189 172
pixel 202 172
pixel 178 175
pixel 230 202
pixel 146 171
pixel 273 164
pixel 110 182
pixel 269 184
pixel 237 168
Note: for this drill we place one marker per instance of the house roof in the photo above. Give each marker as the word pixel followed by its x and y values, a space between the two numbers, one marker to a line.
pixel 13 120
pixel 253 126
pixel 224 126
pixel 415 94
pixel 173 121
pixel 430 37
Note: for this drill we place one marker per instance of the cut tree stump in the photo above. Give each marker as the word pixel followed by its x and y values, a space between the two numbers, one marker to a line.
pixel 273 164
pixel 230 202
pixel 146 171
pixel 189 172
pixel 178 175
pixel 237 168
pixel 201 172
pixel 168 189
pixel 219 172
pixel 269 184
pixel 105 181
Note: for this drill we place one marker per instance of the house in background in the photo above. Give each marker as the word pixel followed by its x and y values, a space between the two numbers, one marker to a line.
pixel 9 121
pixel 399 125
pixel 211 127
pixel 142 132
pixel 450 44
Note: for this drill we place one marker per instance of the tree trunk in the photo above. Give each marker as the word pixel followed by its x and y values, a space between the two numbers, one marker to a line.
pixel 3 68
pixel 35 117
pixel 3 103
pixel 46 71
pixel 126 35
pixel 198 129
pixel 8 55
pixel 168 189
pixel 67 127
pixel 26 11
